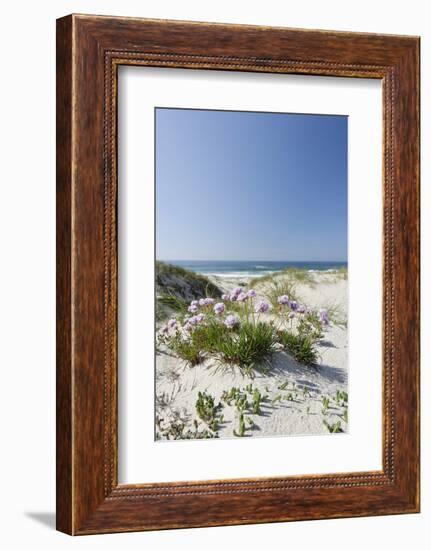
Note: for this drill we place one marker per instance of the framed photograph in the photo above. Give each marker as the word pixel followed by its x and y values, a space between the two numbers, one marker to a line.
pixel 237 274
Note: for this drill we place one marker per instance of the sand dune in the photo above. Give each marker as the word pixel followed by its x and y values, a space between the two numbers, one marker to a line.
pixel 295 394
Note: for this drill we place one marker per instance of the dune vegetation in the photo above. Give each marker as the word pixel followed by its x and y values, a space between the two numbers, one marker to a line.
pixel 215 335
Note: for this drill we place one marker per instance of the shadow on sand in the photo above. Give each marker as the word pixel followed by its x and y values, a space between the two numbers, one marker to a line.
pixel 306 376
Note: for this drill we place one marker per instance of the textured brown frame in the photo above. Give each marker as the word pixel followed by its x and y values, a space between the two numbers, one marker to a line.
pixel 89 51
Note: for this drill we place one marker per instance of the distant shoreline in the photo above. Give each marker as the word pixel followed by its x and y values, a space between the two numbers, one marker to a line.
pixel 253 268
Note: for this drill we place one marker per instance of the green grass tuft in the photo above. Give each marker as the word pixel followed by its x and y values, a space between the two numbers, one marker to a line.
pixel 279 287
pixel 176 303
pixel 199 285
pixel 250 347
pixel 336 316
pixel 187 349
pixel 289 276
pixel 300 346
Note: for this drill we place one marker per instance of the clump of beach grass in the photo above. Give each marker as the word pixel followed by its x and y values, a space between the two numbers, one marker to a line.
pixel 176 286
pixel 341 273
pixel 299 275
pixel 279 287
pixel 300 346
pixel 174 302
pixel 188 349
pixel 241 332
pixel 197 284
pixel 250 348
pixel 336 315
pixel 289 276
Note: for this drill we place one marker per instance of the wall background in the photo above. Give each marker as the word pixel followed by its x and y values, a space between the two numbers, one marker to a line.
pixel 27 289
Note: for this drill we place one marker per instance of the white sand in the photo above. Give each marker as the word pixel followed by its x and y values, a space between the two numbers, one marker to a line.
pixel 302 415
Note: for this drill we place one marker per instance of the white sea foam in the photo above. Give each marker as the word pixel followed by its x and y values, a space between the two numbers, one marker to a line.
pixel 237 274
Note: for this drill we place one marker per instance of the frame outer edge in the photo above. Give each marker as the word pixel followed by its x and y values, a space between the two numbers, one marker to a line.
pixel 407 280
pixel 81 505
pixel 64 368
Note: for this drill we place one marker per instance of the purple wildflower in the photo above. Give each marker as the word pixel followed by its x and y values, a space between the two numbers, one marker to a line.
pixel 292 315
pixel 242 297
pixel 283 299
pixel 193 321
pixel 225 297
pixel 302 309
pixel 164 329
pixel 231 321
pixel 200 317
pixel 219 308
pixel 324 317
pixel 208 301
pixel 172 323
pixel 192 309
pixel 202 302
pixel 293 305
pixel 251 293
pixel 234 294
pixel 261 307
pixel 194 303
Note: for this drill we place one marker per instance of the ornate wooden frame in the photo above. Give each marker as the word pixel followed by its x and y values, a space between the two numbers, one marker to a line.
pixel 89 51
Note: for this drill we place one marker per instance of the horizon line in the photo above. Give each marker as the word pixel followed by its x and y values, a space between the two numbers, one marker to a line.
pixel 248 260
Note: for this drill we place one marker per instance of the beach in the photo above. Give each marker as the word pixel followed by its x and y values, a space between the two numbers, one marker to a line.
pixel 296 399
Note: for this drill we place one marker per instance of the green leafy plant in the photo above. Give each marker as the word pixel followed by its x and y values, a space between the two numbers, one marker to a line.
pixel 257 401
pixel 241 428
pixel 325 404
pixel 341 398
pixel 333 428
pixel 207 410
pixel 241 402
pixel 231 395
pixel 175 429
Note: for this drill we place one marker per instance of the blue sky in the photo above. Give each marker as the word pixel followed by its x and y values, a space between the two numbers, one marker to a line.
pixel 250 186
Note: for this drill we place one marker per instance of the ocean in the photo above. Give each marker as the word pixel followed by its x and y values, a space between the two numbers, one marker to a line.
pixel 222 268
